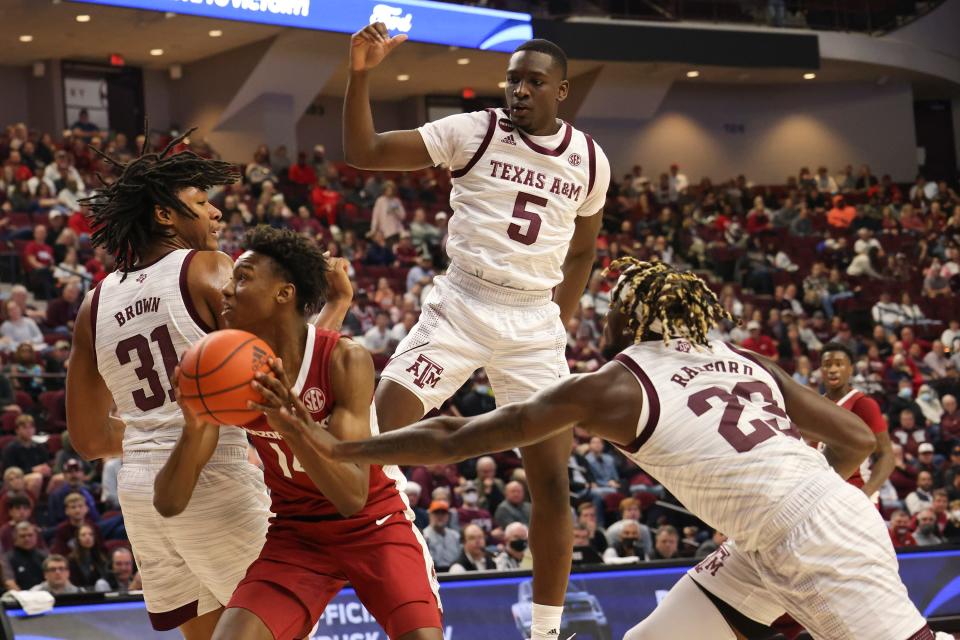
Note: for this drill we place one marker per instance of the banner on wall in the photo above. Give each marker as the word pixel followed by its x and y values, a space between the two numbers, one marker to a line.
pixel 598 606
pixel 421 20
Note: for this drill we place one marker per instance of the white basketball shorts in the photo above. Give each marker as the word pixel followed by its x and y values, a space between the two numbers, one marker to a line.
pixel 834 570
pixel 191 563
pixel 468 323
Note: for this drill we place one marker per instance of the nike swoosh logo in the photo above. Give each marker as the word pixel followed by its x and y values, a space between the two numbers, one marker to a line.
pixel 384 519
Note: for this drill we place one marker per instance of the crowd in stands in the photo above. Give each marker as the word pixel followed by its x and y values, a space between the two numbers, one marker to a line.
pixel 848 256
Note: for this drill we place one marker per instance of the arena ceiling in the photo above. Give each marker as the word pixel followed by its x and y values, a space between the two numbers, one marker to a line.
pixel 432 69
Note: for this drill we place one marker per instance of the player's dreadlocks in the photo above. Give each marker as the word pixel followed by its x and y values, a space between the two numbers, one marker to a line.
pixel 682 302
pixel 121 212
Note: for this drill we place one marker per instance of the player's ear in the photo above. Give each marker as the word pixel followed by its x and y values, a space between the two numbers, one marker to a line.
pixel 563 90
pixel 287 293
pixel 163 216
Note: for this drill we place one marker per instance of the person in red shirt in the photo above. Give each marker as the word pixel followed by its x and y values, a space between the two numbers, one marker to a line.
pixel 335 522
pixel 841 215
pixel 900 533
pixel 325 201
pixel 759 343
pixel 21 172
pixel 836 364
pixel 302 172
pixel 38 262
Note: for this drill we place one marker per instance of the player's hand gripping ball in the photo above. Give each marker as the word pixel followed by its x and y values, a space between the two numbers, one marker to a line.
pixel 215 376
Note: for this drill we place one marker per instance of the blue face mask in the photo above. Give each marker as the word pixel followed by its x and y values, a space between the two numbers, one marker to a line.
pixel 906 392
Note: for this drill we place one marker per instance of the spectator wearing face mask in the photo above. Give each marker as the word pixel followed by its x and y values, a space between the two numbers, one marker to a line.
pixel 629 546
pixel 474 556
pixel 514 554
pixel 471 512
pixel 630 511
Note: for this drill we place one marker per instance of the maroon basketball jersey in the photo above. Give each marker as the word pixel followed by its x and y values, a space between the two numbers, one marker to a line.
pixel 291 489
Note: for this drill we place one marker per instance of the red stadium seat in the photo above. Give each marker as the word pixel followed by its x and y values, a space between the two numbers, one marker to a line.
pixel 9 421
pixel 55 405
pixel 24 400
pixel 113 545
pixel 6 439
pixel 54 443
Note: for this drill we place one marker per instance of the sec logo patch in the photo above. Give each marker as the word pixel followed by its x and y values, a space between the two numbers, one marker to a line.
pixel 574 159
pixel 314 400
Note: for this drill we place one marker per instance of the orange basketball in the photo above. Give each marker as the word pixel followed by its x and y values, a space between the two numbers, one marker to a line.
pixel 216 372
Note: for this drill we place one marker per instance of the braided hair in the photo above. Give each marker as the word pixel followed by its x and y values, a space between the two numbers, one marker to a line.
pixel 121 212
pixel 654 291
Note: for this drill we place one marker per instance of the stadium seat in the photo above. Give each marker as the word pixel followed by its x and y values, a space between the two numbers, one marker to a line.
pixel 54 443
pixel 54 403
pixel 24 400
pixel 9 420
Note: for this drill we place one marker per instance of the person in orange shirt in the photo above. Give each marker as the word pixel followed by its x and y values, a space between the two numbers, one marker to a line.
pixel 841 215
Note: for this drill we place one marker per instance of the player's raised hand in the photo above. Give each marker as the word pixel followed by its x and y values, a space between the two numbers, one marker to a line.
pixel 338 280
pixel 370 45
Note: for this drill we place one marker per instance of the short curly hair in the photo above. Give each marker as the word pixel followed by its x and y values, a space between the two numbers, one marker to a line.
pixel 298 259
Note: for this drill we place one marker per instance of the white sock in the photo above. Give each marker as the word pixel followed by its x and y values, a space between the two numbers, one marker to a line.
pixel 546 622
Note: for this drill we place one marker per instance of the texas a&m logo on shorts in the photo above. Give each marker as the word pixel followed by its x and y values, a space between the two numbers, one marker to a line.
pixel 714 561
pixel 314 400
pixel 425 372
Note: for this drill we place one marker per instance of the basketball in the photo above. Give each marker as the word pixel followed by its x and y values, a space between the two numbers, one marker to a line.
pixel 215 376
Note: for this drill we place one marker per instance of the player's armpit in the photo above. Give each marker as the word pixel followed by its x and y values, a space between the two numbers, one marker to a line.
pixel 847 438
pixel 93 432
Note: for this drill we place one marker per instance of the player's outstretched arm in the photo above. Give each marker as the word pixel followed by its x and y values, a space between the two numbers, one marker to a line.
pixel 847 438
pixel 605 403
pixel 363 147
pixel 345 484
pixel 174 485
pixel 94 433
pixel 339 296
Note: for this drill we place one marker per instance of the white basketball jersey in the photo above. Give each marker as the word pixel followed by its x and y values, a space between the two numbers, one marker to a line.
pixel 714 432
pixel 142 325
pixel 515 197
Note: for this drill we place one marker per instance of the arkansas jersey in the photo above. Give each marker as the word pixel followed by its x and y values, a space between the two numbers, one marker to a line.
pixel 714 432
pixel 867 409
pixel 515 197
pixel 291 490
pixel 142 322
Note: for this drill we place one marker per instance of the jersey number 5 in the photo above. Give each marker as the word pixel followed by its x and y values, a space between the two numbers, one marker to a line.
pixel 730 429
pixel 147 372
pixel 515 231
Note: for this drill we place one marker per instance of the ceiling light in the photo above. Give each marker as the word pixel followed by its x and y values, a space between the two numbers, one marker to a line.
pixel 83 18
pixel 26 38
pixel 693 74
pixel 215 33
pixel 462 61
pixel 403 77
pixel 502 84
pixel 169 14
pixel 809 76
pixel 156 52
